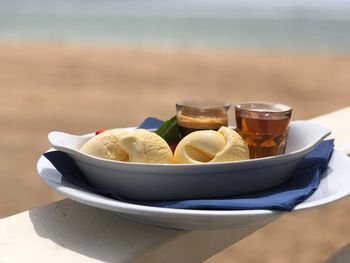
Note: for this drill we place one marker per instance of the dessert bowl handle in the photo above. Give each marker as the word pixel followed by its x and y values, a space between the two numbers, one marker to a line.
pixel 67 142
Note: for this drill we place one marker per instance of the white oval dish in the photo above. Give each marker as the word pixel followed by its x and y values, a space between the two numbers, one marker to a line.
pixel 137 181
pixel 334 185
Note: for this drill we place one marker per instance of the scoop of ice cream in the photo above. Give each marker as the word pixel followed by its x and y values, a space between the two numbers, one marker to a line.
pixel 106 145
pixel 235 149
pixel 143 146
pixel 211 146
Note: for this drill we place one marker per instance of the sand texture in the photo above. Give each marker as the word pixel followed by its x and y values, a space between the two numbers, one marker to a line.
pixel 81 89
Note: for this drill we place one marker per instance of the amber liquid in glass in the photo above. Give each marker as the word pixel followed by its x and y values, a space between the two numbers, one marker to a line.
pixel 190 124
pixel 264 136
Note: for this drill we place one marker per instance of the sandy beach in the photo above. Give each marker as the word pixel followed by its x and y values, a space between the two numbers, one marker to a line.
pixel 79 89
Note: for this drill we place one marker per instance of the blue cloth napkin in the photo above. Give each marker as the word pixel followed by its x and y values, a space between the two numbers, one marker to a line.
pixel 283 197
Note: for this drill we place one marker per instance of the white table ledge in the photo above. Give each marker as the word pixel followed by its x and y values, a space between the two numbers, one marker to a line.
pixel 67 231
pixel 72 232
pixel 339 123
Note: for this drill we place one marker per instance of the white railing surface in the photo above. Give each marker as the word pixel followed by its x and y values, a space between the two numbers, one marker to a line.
pixel 67 231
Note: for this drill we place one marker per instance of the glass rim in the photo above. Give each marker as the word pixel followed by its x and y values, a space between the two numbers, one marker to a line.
pixel 207 103
pixel 279 107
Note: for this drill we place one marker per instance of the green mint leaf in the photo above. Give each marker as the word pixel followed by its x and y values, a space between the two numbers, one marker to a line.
pixel 169 130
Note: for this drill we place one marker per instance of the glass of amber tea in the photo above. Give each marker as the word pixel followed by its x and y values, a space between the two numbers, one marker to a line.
pixel 264 126
pixel 201 114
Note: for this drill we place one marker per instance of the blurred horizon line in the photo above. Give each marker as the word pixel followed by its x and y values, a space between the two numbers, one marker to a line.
pixel 253 24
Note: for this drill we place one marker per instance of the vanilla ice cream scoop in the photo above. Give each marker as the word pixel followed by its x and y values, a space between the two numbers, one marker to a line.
pixel 211 146
pixel 106 145
pixel 143 146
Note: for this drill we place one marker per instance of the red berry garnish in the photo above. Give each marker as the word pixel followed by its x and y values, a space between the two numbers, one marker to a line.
pixel 100 131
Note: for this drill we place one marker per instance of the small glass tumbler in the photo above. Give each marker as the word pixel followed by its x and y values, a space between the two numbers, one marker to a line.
pixel 264 126
pixel 201 114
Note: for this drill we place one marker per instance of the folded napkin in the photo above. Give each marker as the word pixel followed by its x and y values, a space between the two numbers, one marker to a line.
pixel 283 197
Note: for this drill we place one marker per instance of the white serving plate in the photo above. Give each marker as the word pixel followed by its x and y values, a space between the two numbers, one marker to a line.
pixel 137 181
pixel 334 185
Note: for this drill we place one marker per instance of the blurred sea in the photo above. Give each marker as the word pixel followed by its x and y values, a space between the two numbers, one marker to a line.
pixel 251 24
